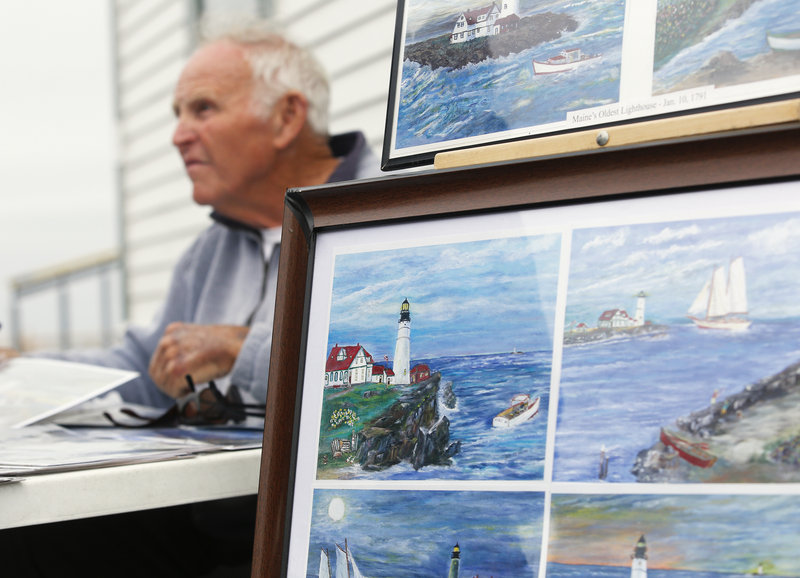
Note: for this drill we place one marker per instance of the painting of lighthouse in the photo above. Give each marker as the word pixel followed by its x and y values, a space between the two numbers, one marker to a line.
pixel 685 536
pixel 402 349
pixel 468 70
pixel 639 562
pixel 417 533
pixel 663 395
pixel 483 315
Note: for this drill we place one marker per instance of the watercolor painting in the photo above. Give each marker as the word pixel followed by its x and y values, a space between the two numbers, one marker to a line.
pixel 428 348
pixel 425 533
pixel 473 69
pixel 681 353
pixel 672 536
pixel 721 43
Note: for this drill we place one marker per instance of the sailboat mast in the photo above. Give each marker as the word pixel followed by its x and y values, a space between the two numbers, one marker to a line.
pixel 347 556
pixel 710 294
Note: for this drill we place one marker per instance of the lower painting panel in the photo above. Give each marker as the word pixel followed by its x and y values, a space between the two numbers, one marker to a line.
pixel 425 533
pixel 674 536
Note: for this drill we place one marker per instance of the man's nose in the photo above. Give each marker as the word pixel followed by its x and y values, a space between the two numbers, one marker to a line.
pixel 183 133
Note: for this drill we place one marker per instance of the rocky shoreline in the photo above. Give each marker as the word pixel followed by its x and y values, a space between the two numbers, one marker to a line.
pixel 411 430
pixel 724 69
pixel 755 435
pixel 599 334
pixel 531 31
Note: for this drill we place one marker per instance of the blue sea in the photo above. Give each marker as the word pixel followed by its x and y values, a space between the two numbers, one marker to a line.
pixel 588 571
pixel 412 533
pixel 484 386
pixel 620 393
pixel 502 93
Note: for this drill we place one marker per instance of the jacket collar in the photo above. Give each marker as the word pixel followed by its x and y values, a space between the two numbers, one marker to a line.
pixel 347 147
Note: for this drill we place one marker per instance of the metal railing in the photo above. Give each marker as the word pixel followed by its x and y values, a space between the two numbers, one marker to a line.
pixel 59 279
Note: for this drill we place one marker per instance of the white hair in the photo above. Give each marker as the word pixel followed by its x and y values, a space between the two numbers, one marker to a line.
pixel 279 66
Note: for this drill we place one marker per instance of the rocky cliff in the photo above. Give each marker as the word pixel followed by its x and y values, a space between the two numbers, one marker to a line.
pixel 411 430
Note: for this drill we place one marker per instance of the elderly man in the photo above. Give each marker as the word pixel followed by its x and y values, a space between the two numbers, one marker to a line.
pixel 251 113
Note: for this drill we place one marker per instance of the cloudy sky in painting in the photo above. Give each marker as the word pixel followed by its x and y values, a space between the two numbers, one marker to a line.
pixel 477 297
pixel 671 262
pixel 701 533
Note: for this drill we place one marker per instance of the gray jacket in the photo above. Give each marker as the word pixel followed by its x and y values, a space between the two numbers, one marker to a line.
pixel 223 278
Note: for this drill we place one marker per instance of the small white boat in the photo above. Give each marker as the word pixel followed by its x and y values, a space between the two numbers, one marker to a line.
pixel 567 60
pixel 521 410
pixel 784 41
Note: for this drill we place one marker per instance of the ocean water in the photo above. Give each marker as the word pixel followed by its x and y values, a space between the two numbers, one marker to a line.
pixel 620 393
pixel 744 37
pixel 484 386
pixel 588 571
pixel 503 93
pixel 412 533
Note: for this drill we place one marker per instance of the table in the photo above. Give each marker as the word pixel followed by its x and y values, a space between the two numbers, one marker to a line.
pixel 85 493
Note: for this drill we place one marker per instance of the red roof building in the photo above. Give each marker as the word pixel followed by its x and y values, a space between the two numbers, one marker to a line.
pixel 381 374
pixel 420 372
pixel 614 318
pixel 348 365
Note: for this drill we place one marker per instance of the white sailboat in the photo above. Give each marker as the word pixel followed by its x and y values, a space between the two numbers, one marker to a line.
pixel 722 304
pixel 324 564
pixel 346 566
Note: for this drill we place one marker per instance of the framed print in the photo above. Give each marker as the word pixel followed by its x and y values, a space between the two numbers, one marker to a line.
pixel 467 75
pixel 475 370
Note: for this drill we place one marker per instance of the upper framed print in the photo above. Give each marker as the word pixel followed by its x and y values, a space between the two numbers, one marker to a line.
pixel 466 75
pixel 565 367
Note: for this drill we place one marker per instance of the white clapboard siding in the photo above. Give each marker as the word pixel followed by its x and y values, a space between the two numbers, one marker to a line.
pixel 352 39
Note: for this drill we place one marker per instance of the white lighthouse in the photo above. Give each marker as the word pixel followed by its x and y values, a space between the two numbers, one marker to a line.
pixel 508 7
pixel 402 349
pixel 640 299
pixel 639 565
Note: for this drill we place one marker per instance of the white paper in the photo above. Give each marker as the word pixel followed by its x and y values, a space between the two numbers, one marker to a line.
pixel 32 389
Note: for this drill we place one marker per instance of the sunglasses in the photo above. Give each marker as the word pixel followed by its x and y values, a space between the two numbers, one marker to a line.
pixel 205 407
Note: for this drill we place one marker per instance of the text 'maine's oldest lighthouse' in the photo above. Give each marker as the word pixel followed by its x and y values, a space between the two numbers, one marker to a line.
pixel 402 349
pixel 639 565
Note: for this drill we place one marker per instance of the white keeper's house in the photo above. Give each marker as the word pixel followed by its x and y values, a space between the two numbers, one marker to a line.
pixel 616 319
pixel 491 20
pixel 348 365
pixel 381 374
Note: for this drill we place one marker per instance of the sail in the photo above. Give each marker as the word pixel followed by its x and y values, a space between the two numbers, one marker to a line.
pixel 356 572
pixel 701 301
pixel 737 287
pixel 341 563
pixel 324 564
pixel 718 301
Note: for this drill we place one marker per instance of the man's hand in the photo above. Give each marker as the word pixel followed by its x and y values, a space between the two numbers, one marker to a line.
pixel 205 352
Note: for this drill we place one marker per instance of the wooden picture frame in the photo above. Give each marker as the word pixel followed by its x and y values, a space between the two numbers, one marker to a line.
pixel 466 76
pixel 553 184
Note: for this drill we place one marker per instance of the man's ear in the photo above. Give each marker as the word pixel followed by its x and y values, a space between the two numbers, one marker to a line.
pixel 289 117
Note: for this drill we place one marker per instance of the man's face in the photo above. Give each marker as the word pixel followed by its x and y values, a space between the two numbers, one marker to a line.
pixel 227 150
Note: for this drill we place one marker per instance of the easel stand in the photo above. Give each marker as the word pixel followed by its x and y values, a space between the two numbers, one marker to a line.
pixel 716 123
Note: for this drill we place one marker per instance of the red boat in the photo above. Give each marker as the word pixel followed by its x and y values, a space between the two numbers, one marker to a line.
pixel 693 452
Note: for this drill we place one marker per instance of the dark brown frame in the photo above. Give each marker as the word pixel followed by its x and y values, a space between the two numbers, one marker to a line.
pixel 646 170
